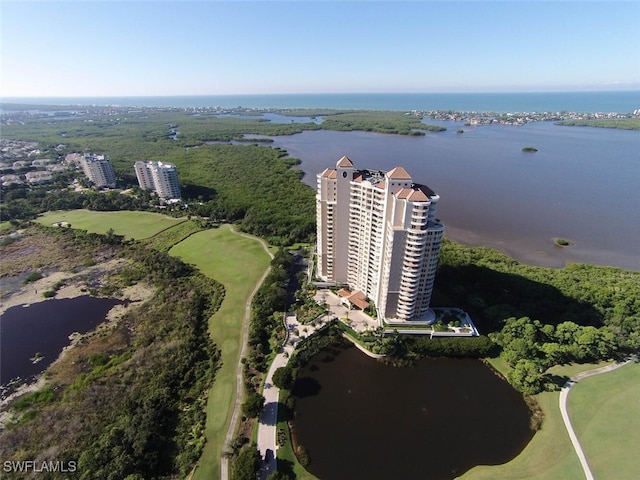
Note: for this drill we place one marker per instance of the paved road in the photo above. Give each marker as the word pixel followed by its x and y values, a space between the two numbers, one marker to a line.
pixel 267 422
pixel 564 394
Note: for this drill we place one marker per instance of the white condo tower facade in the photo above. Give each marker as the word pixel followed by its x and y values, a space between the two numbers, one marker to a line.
pixel 161 177
pixel 377 232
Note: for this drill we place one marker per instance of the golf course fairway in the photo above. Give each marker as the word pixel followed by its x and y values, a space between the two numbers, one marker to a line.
pixel 238 262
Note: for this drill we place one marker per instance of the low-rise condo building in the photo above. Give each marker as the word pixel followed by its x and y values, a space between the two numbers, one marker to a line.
pixel 378 234
pixel 160 177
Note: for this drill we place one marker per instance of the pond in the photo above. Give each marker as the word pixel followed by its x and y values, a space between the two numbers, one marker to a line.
pixel 33 336
pixel 359 418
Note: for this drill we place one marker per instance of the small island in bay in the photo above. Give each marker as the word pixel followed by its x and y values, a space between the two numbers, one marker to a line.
pixel 562 242
pixel 529 149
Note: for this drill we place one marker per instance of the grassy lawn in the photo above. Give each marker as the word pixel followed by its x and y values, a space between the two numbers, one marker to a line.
pixel 237 262
pixel 137 225
pixel 605 413
pixel 549 455
pixel 5 227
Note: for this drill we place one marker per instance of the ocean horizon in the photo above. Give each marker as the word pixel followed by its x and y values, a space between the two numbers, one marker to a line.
pixel 508 102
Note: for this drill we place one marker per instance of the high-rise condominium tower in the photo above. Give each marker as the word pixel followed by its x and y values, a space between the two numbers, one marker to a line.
pixel 378 233
pixel 99 170
pixel 160 177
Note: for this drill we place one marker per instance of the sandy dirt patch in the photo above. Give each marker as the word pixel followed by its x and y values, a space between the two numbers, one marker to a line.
pixel 75 285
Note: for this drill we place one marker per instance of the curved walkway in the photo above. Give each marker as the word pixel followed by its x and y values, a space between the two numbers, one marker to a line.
pixel 564 394
pixel 268 420
pixel 233 424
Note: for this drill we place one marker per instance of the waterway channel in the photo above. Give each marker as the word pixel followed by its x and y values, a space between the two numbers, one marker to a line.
pixel 359 418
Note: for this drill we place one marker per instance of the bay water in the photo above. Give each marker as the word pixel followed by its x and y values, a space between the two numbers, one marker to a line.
pixel 583 184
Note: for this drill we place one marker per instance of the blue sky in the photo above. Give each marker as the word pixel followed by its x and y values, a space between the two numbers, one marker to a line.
pixel 117 48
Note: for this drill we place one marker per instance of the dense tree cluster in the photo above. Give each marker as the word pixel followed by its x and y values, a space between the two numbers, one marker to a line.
pixel 531 347
pixel 580 312
pixel 397 123
pixel 267 310
pixel 495 287
pixel 255 187
pixel 25 204
pixel 551 345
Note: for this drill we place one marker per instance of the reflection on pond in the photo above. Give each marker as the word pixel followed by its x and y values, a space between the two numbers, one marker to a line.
pixel 359 418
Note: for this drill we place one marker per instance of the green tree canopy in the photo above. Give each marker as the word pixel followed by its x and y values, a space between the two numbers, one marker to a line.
pixel 283 378
pixel 253 405
pixel 247 464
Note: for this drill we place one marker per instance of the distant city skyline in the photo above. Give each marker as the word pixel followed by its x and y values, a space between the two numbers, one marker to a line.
pixel 155 48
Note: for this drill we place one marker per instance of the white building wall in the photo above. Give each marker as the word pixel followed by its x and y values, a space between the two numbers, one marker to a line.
pixel 161 177
pixel 391 247
pixel 325 204
pixel 143 174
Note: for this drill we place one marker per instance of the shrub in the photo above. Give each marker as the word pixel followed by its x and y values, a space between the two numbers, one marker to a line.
pixel 303 456
pixel 32 277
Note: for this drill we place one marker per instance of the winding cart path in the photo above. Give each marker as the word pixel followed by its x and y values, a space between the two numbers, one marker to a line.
pixel 564 394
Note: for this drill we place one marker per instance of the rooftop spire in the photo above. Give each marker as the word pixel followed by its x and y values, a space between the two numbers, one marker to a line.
pixel 344 162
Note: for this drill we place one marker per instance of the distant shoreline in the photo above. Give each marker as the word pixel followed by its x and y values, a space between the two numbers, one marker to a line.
pixel 19 112
pixel 580 101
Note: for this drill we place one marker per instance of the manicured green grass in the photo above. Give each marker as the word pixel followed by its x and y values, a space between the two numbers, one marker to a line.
pixel 605 413
pixel 136 225
pixel 238 262
pixel 549 455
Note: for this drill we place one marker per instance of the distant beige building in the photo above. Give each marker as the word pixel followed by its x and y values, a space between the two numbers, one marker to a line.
pixel 378 233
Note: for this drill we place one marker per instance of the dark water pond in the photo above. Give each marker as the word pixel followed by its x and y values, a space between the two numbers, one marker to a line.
pixel 359 418
pixel 42 330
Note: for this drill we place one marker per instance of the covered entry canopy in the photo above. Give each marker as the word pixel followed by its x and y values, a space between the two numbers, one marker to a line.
pixel 357 298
